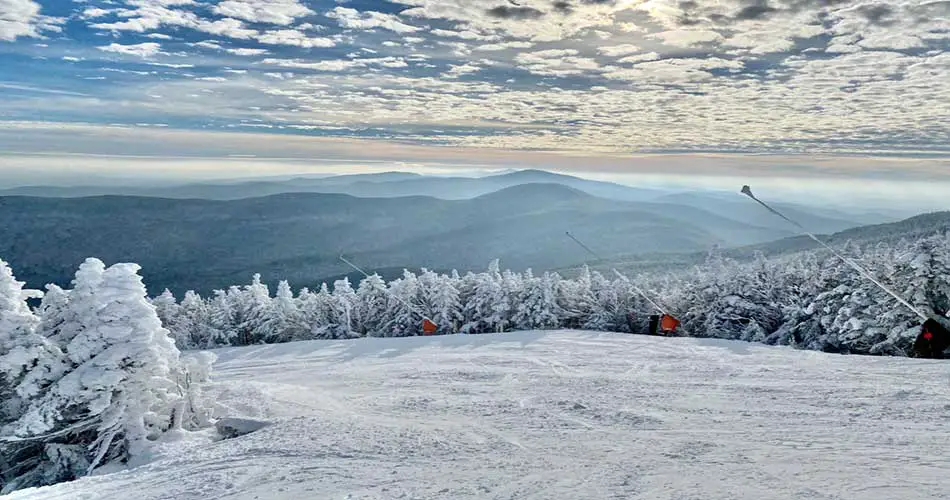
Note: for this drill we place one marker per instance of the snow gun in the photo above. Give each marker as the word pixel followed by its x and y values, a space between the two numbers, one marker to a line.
pixel 934 338
pixel 660 324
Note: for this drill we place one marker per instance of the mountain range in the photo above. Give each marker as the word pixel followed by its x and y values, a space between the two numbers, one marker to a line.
pixel 911 228
pixel 206 236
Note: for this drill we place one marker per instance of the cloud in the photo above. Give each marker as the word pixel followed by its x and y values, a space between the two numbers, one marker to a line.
pixel 279 12
pixel 510 12
pixel 354 19
pixel 463 34
pixel 228 27
pixel 295 38
pixel 458 70
pixel 246 51
pixel 556 62
pixel 730 75
pixel 95 12
pixel 619 50
pixel 147 17
pixel 638 58
pixel 336 65
pixel 491 47
pixel 687 38
pixel 21 18
pixel 147 49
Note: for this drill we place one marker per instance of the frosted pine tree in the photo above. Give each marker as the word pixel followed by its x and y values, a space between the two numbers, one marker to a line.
pixel 288 322
pixel 53 311
pixel 223 319
pixel 27 360
pixel 195 328
pixel 466 288
pixel 82 298
pixel 167 308
pixel 536 305
pixel 373 300
pixel 447 305
pixel 315 310
pixel 489 308
pixel 122 390
pixel 403 318
pixel 576 300
pixel 607 313
pixel 255 312
pixel 343 311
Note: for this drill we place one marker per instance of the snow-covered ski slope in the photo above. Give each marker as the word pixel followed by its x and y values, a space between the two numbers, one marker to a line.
pixel 558 415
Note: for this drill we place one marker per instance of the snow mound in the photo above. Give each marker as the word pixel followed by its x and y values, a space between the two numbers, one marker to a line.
pixel 559 414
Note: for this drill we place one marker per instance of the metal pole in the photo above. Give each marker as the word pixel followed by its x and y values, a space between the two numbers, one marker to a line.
pixel 621 276
pixel 746 190
pixel 389 292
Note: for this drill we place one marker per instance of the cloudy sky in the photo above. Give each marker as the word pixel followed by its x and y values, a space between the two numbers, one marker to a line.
pixel 837 88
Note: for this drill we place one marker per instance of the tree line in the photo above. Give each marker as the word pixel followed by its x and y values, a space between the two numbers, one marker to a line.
pixel 810 300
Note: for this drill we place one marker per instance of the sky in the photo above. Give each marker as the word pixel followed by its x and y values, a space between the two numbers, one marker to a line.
pixel 825 92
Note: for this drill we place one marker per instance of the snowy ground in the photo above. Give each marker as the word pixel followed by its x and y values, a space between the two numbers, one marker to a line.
pixel 558 415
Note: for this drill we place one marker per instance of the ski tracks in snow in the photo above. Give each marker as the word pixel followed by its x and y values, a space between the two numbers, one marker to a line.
pixel 540 415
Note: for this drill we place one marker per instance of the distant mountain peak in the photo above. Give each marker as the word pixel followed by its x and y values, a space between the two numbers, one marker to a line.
pixel 552 190
pixel 534 173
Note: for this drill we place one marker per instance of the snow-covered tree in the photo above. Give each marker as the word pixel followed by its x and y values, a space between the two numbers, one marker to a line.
pixel 536 306
pixel 287 320
pixel 402 312
pixel 27 360
pixel 489 309
pixel 255 313
pixel 446 305
pixel 194 328
pixel 122 387
pixel 167 308
pixel 82 298
pixel 315 310
pixel 222 315
pixel 53 311
pixel 576 300
pixel 343 311
pixel 373 300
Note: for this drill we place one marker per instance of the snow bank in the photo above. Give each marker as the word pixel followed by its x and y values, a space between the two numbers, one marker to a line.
pixel 561 414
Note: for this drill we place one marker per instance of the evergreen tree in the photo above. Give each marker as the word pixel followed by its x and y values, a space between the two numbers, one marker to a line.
pixel 27 360
pixel 120 390
pixel 53 311
pixel 223 319
pixel 82 298
pixel 314 311
pixel 536 303
pixel 195 328
pixel 402 310
pixel 167 308
pixel 343 311
pixel 287 320
pixel 255 313
pixel 490 308
pixel 373 300
pixel 576 300
pixel 446 304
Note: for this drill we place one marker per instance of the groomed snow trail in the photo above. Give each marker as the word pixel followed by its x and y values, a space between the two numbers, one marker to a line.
pixel 557 415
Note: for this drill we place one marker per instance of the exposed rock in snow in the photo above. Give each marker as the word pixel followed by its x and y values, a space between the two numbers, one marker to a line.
pixel 233 427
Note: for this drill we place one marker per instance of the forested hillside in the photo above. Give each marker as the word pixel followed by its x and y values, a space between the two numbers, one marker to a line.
pixel 205 244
